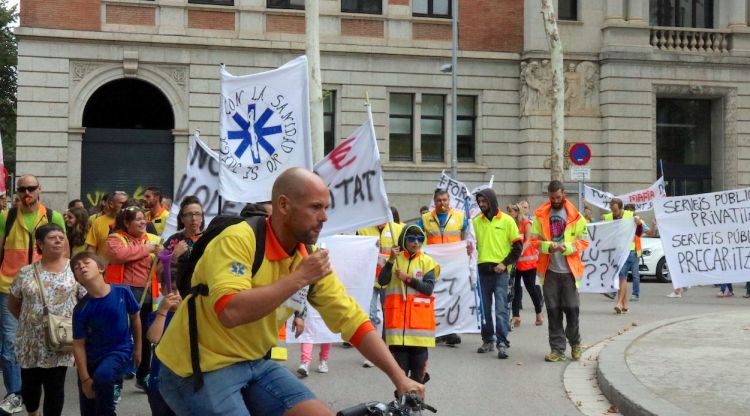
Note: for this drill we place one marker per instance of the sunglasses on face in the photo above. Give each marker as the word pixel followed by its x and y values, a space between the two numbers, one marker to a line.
pixel 415 239
pixel 29 189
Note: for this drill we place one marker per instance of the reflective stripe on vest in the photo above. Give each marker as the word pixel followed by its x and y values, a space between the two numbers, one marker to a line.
pixel 450 232
pixel 409 315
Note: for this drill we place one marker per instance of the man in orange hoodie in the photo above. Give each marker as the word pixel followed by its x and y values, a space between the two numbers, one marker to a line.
pixel 559 233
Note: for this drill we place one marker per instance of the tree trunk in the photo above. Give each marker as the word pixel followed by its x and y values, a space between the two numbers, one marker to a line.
pixel 558 90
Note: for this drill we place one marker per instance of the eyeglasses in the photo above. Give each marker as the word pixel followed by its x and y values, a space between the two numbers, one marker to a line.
pixel 415 238
pixel 29 189
pixel 192 214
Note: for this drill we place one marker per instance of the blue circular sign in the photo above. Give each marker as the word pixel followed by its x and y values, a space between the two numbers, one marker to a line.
pixel 580 154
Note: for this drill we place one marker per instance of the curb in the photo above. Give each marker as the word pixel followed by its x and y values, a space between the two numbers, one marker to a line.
pixel 621 387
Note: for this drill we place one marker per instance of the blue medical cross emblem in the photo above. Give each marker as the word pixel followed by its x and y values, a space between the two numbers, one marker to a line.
pixel 238 269
pixel 253 128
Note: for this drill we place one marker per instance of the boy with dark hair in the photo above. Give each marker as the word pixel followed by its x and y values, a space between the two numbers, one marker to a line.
pixel 102 343
pixel 409 278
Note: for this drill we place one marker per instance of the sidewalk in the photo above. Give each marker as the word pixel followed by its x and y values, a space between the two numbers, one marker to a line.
pixel 695 365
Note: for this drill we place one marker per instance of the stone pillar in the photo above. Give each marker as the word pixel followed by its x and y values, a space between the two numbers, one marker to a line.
pixel 737 13
pixel 614 11
pixel 635 12
pixel 75 148
pixel 181 139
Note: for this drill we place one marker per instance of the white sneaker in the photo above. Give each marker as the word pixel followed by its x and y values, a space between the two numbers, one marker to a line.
pixel 323 367
pixel 674 295
pixel 367 364
pixel 303 370
pixel 12 403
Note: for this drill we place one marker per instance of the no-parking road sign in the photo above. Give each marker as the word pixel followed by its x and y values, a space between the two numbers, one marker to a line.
pixel 580 154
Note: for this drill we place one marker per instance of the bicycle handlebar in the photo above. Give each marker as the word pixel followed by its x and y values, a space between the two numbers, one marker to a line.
pixel 401 407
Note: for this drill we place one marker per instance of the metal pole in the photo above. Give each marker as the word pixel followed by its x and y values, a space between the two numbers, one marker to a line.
pixel 454 106
pixel 312 45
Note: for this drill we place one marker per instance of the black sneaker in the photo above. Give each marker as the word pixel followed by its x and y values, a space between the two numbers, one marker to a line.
pixel 141 383
pixel 501 352
pixel 452 339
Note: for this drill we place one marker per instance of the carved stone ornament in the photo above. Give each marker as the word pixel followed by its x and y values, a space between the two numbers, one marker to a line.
pixel 581 88
pixel 79 70
pixel 178 74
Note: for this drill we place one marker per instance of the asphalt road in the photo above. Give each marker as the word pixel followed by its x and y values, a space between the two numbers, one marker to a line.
pixel 466 383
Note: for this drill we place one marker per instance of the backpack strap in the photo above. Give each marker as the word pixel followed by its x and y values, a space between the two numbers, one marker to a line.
pixel 10 220
pixel 258 225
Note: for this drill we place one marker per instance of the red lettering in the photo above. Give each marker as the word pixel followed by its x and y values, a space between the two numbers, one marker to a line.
pixel 340 153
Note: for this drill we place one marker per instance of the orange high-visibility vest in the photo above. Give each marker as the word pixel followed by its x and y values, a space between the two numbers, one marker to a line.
pixel 409 316
pixel 530 256
pixel 450 232
pixel 115 273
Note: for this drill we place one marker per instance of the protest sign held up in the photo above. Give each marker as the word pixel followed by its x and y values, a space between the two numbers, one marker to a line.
pixel 264 128
pixel 642 199
pixel 606 254
pixel 706 237
pixel 355 181
pixel 353 259
pixel 455 304
pixel 201 178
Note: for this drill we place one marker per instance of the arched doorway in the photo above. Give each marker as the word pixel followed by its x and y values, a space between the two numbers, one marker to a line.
pixel 128 143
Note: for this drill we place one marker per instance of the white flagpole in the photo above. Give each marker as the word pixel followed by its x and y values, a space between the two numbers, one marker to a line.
pixel 312 33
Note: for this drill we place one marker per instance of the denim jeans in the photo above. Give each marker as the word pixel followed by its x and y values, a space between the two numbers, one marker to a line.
pixel 11 370
pixel 260 387
pixel 631 265
pixel 495 287
pixel 377 300
pixel 726 287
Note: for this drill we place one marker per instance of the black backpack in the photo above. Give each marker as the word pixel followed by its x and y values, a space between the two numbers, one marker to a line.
pixel 11 219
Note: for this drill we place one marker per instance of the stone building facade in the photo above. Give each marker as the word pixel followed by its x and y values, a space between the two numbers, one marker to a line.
pixel 80 62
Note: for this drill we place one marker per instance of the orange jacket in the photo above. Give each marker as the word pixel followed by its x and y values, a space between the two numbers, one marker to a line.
pixel 575 239
pixel 530 256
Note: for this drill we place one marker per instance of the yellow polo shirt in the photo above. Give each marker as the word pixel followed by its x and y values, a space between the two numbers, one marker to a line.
pixel 226 268
pixel 495 237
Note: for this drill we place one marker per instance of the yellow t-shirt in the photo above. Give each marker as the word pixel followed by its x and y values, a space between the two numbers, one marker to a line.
pixel 98 233
pixel 495 237
pixel 226 268
pixel 159 220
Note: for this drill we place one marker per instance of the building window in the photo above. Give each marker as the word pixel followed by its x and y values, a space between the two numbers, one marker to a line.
pixel 401 138
pixel 431 8
pixel 567 9
pixel 683 144
pixel 432 128
pixel 362 6
pixel 215 2
pixel 682 13
pixel 329 121
pixel 465 128
pixel 286 4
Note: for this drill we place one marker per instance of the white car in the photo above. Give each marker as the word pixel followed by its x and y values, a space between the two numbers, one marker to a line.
pixel 653 262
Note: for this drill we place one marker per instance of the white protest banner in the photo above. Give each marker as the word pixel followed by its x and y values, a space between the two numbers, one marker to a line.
pixel 460 195
pixel 455 304
pixel 355 181
pixel 201 179
pixel 706 237
pixel 642 199
pixel 264 127
pixel 607 252
pixel 354 259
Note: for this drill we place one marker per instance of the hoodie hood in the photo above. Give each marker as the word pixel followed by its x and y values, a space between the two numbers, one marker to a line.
pixel 402 236
pixel 489 194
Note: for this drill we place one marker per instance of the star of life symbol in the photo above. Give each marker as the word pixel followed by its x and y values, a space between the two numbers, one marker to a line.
pixel 253 133
pixel 238 269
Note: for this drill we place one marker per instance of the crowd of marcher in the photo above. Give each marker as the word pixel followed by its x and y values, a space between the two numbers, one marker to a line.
pixel 219 294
